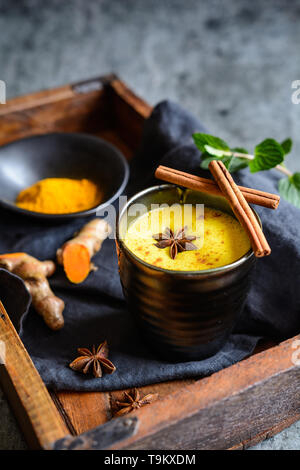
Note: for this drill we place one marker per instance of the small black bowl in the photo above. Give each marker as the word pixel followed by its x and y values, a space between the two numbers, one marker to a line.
pixel 61 155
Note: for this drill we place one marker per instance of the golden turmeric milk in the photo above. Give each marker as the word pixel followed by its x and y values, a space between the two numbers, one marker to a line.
pixel 220 239
pixel 60 196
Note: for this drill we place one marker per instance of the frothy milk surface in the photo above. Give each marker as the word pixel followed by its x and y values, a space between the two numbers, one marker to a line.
pixel 220 238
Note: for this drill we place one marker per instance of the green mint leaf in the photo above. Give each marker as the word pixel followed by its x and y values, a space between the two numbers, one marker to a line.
pixel 206 159
pixel 296 180
pixel 213 151
pixel 267 155
pixel 289 189
pixel 287 145
pixel 209 144
pixel 239 150
pixel 234 164
pixel 227 161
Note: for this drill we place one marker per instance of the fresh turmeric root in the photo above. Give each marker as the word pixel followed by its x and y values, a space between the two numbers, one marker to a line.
pixel 34 274
pixel 76 254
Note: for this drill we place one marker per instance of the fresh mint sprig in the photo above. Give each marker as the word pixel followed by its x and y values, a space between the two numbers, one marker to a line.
pixel 289 189
pixel 267 155
pixel 287 145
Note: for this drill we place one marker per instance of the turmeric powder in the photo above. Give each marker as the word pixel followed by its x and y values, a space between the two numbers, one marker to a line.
pixel 60 196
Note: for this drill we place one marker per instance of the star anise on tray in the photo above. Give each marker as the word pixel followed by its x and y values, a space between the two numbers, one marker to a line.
pixel 132 401
pixel 177 241
pixel 94 361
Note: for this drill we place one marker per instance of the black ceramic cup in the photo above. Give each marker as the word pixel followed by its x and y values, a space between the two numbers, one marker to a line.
pixel 182 315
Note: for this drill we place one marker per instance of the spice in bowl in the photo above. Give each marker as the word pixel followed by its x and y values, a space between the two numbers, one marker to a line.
pixel 60 196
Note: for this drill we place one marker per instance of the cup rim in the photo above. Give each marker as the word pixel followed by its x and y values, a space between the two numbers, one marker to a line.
pixel 227 267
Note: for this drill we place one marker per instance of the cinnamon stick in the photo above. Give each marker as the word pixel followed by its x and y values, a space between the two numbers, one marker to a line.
pixel 252 196
pixel 240 207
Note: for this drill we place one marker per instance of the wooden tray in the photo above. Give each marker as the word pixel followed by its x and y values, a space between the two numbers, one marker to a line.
pixel 234 408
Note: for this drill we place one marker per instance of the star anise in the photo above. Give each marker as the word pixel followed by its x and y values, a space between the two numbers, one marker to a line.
pixel 177 241
pixel 133 401
pixel 94 361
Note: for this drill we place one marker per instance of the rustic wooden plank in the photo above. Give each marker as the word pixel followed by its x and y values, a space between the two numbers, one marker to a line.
pixel 84 410
pixel 81 107
pixel 130 113
pixel 67 109
pixel 36 413
pixel 163 389
pixel 225 409
pixel 82 113
pixel 54 95
pixel 132 101
pixel 116 431
pixel 113 137
pixel 36 99
pixel 101 438
pixel 267 433
pixel 235 408
pixel 88 410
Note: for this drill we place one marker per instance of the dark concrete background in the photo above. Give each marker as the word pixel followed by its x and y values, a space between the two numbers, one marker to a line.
pixel 231 62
